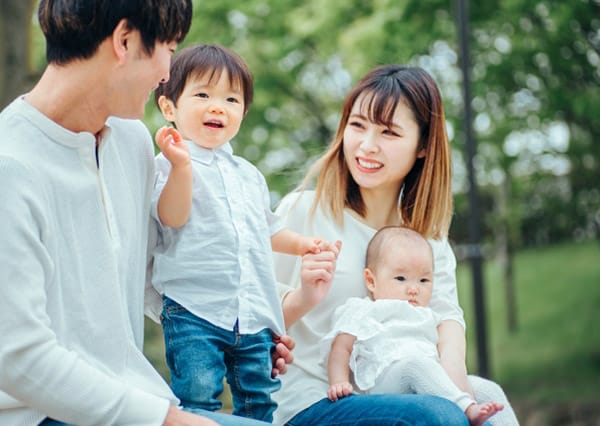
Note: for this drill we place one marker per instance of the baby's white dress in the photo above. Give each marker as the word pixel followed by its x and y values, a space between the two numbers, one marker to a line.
pixel 386 331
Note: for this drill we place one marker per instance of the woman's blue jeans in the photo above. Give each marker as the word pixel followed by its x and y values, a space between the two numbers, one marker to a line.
pixel 382 410
pixel 361 410
pixel 200 354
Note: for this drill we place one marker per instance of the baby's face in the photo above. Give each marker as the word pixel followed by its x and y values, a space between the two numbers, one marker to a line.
pixel 209 113
pixel 402 273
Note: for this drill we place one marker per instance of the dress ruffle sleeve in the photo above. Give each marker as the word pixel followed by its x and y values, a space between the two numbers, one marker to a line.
pixel 352 318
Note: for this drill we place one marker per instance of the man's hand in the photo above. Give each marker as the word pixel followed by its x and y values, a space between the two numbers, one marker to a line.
pixel 282 355
pixel 178 417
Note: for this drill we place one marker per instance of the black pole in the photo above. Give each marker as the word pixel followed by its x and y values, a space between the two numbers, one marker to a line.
pixel 475 252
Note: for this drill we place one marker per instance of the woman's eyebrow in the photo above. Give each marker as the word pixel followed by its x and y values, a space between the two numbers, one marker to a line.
pixel 362 117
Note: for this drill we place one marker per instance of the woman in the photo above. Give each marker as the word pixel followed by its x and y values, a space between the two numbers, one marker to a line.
pixel 389 164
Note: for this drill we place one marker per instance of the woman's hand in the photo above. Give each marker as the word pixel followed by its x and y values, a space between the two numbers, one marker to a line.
pixel 316 276
pixel 317 273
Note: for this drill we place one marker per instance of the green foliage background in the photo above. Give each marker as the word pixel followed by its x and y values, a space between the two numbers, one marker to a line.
pixel 536 96
pixel 535 71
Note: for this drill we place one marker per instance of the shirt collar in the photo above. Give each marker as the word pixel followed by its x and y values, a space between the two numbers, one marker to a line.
pixel 207 156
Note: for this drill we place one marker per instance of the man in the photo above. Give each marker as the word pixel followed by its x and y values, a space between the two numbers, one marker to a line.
pixel 76 173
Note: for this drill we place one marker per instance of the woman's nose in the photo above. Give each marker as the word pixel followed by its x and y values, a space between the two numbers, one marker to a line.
pixel 369 142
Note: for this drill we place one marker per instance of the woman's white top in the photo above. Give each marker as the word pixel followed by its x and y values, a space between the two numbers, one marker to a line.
pixel 306 380
pixel 386 330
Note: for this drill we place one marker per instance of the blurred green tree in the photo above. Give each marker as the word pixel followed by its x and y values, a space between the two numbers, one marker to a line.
pixel 16 73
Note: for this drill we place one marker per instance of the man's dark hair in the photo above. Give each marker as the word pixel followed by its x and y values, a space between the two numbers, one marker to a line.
pixel 74 28
pixel 206 59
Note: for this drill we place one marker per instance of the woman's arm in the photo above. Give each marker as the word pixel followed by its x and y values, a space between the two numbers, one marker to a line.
pixel 452 349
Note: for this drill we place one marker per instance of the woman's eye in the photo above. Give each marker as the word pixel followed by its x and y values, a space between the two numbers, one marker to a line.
pixel 356 124
pixel 390 133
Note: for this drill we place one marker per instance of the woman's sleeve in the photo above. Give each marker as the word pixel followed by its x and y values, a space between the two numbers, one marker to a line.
pixel 444 300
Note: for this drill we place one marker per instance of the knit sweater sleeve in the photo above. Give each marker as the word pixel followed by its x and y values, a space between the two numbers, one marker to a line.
pixel 35 368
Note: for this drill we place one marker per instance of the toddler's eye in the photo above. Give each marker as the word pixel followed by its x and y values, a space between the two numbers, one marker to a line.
pixel 202 95
pixel 233 100
pixel 400 278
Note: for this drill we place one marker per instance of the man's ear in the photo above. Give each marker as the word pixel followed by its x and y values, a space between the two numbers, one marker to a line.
pixel 369 279
pixel 167 107
pixel 121 38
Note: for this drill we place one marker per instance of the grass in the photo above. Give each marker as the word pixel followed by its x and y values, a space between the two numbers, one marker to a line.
pixel 554 355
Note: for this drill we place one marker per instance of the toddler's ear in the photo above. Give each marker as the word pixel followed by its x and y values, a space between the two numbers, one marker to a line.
pixel 167 107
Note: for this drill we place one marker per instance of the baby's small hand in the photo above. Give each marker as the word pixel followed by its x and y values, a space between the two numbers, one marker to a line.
pixel 339 390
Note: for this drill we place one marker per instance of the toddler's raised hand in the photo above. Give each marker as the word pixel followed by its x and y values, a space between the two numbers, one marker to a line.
pixel 170 143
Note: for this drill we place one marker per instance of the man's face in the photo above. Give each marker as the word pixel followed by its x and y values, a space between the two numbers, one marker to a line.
pixel 142 73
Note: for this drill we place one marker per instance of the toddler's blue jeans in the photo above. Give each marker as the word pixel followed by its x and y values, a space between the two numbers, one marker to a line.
pixel 200 354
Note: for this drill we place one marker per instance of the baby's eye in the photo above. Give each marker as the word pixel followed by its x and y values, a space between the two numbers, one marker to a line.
pixel 424 280
pixel 233 100
pixel 400 278
pixel 202 95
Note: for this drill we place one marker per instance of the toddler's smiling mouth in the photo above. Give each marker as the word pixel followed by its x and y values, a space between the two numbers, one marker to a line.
pixel 214 123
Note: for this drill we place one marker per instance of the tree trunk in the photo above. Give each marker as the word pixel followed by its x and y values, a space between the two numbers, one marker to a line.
pixel 15 48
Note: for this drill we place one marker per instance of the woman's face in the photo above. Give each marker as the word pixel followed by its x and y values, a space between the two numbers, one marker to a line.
pixel 380 157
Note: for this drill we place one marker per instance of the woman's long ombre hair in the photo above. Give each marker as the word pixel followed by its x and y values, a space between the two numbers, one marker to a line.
pixel 426 204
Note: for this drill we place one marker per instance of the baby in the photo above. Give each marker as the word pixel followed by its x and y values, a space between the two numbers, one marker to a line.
pixel 388 340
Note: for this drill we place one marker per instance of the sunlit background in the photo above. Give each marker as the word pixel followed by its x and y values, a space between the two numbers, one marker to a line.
pixel 535 71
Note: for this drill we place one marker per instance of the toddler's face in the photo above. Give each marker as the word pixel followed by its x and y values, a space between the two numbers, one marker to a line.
pixel 210 115
pixel 403 273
